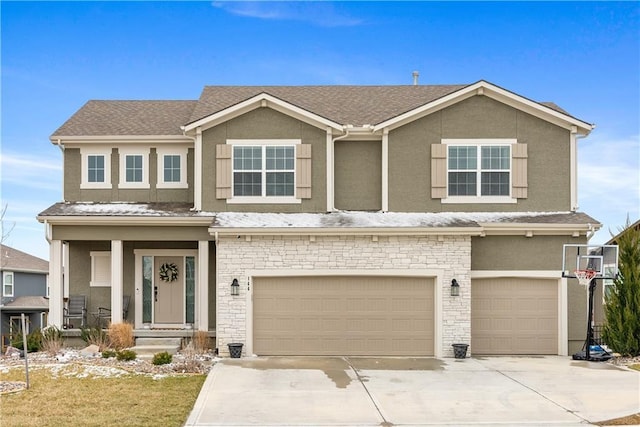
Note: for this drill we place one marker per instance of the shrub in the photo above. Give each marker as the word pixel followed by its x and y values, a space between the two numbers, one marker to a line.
pixel 622 310
pixel 200 341
pixel 162 358
pixel 96 336
pixel 108 354
pixel 121 335
pixel 52 340
pixel 126 355
pixel 34 341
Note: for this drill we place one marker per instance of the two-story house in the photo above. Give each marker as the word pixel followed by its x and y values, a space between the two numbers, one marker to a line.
pixel 327 220
pixel 24 290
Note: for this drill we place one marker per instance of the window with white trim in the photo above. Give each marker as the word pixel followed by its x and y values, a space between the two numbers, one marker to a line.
pixel 264 171
pixel 479 170
pixel 100 268
pixel 172 168
pixel 96 167
pixel 134 170
pixel 8 287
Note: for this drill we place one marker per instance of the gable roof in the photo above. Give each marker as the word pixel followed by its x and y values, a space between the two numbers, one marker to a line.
pixel 335 106
pixel 98 118
pixel 354 105
pixel 14 260
pixel 614 239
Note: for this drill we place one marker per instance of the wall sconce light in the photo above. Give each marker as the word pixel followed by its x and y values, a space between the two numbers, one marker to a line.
pixel 455 288
pixel 235 287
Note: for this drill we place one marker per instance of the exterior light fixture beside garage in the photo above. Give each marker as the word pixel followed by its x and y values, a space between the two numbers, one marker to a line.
pixel 455 288
pixel 235 287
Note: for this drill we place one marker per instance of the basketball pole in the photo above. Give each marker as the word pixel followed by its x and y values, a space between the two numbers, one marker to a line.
pixel 592 288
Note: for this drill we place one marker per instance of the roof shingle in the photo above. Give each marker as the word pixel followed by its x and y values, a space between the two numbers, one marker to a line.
pixel 13 259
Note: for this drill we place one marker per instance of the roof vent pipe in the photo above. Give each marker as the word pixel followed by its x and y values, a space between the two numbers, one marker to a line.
pixel 416 74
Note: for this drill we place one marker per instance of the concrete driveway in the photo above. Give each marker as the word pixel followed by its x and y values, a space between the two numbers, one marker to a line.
pixel 309 391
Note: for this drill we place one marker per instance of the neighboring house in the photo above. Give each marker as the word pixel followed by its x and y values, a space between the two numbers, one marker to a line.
pixel 24 290
pixel 607 283
pixel 339 215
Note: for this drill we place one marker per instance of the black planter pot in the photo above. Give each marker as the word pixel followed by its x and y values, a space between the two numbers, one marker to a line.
pixel 460 350
pixel 235 350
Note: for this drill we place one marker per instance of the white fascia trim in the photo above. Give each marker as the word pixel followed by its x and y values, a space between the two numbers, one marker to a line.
pixel 23 270
pixel 71 141
pixel 270 142
pixel 487 89
pixel 258 101
pixel 175 221
pixel 379 231
pixel 529 230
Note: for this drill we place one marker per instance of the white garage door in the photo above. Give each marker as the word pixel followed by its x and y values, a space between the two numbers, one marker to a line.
pixel 514 316
pixel 368 316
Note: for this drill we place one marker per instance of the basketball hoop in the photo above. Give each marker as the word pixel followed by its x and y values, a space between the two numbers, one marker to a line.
pixel 584 276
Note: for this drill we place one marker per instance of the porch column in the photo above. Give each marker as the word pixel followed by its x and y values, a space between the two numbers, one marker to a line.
pixel 56 281
pixel 116 281
pixel 202 295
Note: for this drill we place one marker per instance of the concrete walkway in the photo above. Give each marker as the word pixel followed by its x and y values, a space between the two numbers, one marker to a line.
pixel 309 391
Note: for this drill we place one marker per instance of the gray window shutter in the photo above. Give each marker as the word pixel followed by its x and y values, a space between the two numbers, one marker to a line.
pixel 303 171
pixel 223 171
pixel 519 171
pixel 438 171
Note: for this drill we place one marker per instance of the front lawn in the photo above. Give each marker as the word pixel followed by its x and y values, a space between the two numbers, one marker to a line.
pixel 64 397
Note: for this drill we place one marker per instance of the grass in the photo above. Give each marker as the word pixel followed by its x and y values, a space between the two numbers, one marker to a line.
pixel 636 366
pixel 56 399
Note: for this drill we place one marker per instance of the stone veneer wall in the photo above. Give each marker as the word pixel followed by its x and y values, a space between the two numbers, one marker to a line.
pixel 237 257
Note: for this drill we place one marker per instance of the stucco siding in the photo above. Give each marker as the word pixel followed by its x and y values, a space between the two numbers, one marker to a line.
pixel 358 175
pixel 548 148
pixel 73 178
pixel 519 252
pixel 264 123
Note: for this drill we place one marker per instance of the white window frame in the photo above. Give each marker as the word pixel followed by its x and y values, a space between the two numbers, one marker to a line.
pixel 161 153
pixel 479 143
pixel 6 274
pixel 134 151
pixel 85 152
pixel 96 258
pixel 265 199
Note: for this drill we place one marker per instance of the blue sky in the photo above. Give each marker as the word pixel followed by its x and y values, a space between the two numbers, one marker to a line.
pixel 584 56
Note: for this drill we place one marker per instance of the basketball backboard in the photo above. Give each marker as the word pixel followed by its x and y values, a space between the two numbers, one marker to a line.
pixel 601 258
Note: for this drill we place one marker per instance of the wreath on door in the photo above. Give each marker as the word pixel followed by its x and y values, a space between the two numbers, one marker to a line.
pixel 168 272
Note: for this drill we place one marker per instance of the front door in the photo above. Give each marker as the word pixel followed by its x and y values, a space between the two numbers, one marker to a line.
pixel 169 287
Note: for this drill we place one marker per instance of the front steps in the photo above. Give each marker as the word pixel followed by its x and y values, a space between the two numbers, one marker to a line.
pixel 146 348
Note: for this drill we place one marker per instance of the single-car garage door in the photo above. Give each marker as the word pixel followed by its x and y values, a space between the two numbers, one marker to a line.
pixel 514 316
pixel 367 316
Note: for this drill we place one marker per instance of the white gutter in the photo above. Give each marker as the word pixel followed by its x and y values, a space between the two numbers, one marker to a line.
pixel 331 190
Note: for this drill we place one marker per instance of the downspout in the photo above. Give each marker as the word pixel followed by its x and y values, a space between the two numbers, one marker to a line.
pixel 574 165
pixel 332 159
pixel 60 145
pixel 196 197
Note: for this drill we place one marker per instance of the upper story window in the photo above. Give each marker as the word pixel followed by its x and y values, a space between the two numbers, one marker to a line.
pixel 96 167
pixel 7 284
pixel 134 167
pixel 263 171
pixel 172 168
pixel 479 171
